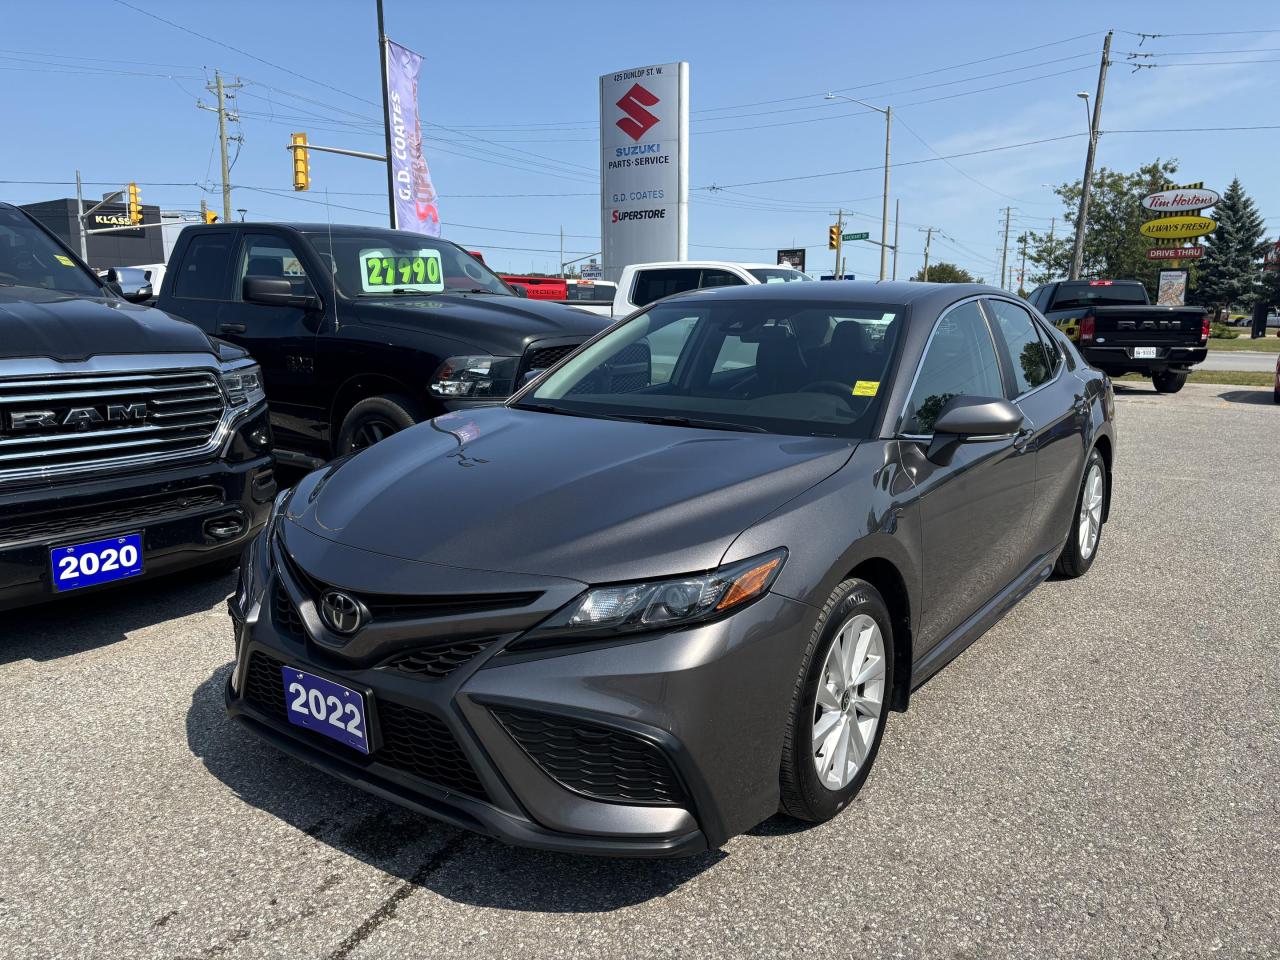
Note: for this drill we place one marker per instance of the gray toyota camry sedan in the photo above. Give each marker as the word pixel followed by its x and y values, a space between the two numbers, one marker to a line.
pixel 679 581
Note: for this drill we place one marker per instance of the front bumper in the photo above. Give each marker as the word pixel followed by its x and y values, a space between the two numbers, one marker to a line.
pixel 188 514
pixel 707 705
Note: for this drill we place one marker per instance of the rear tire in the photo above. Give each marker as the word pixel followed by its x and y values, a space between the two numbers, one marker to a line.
pixel 374 419
pixel 1276 395
pixel 1086 526
pixel 832 739
pixel 1169 381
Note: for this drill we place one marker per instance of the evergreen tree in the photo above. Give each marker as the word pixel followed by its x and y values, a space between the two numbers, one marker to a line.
pixel 1229 274
pixel 1270 288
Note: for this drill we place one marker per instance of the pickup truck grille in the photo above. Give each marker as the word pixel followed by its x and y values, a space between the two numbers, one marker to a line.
pixel 49 424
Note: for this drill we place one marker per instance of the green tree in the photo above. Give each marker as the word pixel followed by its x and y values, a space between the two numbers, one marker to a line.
pixel 943 272
pixel 1113 247
pixel 1229 272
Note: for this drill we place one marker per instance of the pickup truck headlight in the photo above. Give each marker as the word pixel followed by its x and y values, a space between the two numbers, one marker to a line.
pixel 243 385
pixel 658 604
pixel 475 377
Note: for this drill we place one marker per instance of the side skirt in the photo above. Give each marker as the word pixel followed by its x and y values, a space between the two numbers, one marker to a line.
pixel 983 620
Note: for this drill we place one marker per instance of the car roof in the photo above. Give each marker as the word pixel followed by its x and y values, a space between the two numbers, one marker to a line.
pixel 928 296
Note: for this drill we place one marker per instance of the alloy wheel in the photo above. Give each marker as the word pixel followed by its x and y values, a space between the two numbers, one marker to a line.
pixel 1090 522
pixel 370 431
pixel 850 697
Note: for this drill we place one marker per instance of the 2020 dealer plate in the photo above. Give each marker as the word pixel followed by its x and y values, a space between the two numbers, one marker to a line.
pixel 88 564
pixel 326 707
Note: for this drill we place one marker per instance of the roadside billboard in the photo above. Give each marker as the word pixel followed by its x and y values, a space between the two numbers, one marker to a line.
pixel 644 166
pixel 793 258
pixel 1172 289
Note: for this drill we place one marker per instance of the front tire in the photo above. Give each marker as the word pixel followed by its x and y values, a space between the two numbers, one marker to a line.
pixel 1086 527
pixel 374 419
pixel 840 704
pixel 1169 381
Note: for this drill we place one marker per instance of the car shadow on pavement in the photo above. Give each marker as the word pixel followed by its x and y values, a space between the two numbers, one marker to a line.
pixel 464 867
pixel 75 624
pixel 1264 396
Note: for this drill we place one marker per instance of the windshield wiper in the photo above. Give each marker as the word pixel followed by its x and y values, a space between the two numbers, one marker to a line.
pixel 548 408
pixel 416 293
pixel 677 421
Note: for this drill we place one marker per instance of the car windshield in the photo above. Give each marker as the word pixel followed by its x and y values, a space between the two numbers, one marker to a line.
pixel 392 263
pixel 778 275
pixel 28 258
pixel 811 368
pixel 1085 293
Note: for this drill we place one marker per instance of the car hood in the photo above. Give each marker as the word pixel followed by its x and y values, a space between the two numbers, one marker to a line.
pixel 497 325
pixel 67 327
pixel 502 489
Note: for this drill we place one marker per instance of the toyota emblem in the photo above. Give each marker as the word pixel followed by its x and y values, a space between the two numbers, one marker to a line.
pixel 341 612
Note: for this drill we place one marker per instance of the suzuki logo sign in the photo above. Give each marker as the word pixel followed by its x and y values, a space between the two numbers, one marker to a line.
pixel 638 121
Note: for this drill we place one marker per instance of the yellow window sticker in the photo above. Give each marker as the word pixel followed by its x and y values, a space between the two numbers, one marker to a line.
pixel 866 388
pixel 65 261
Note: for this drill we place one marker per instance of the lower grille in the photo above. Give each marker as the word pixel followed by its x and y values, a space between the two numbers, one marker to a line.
pixel 136 511
pixel 412 741
pixel 284 614
pixel 594 760
pixel 438 662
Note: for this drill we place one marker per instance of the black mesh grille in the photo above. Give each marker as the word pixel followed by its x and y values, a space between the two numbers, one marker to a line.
pixel 412 741
pixel 542 357
pixel 594 760
pixel 264 685
pixel 134 511
pixel 422 745
pixel 438 662
pixel 287 619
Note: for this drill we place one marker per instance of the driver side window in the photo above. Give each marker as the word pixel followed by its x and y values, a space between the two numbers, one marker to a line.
pixel 273 258
pixel 960 360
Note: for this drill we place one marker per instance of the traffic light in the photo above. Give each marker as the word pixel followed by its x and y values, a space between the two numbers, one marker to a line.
pixel 135 204
pixel 210 217
pixel 301 163
pixel 833 237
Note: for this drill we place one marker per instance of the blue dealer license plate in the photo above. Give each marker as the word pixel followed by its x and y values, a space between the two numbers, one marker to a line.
pixel 326 707
pixel 88 564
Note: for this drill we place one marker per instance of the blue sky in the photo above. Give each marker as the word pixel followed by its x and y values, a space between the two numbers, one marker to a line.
pixel 509 94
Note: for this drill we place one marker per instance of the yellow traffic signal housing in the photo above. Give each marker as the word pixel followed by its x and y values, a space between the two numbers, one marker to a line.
pixel 210 217
pixel 833 237
pixel 301 163
pixel 135 204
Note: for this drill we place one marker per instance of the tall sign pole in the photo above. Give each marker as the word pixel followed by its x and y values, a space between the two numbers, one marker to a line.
pixel 386 119
pixel 1077 254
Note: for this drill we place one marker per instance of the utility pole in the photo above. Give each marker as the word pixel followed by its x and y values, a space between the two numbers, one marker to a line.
pixel 1004 252
pixel 839 243
pixel 884 213
pixel 562 251
pixel 219 89
pixel 897 213
pixel 1082 217
pixel 386 120
pixel 928 239
pixel 1022 271
pixel 84 241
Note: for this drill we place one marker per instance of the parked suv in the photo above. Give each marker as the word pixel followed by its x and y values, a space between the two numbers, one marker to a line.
pixel 362 331
pixel 131 444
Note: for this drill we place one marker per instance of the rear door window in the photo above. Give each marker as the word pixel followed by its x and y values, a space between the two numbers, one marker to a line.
pixel 1031 364
pixel 651 285
pixel 203 273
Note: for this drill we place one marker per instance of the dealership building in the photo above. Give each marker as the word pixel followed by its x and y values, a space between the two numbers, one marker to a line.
pixel 120 248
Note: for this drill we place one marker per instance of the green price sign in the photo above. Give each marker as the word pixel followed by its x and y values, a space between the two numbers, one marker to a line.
pixel 854 236
pixel 386 270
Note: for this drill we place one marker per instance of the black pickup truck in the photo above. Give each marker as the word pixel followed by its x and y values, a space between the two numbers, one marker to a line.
pixel 1117 330
pixel 362 331
pixel 131 444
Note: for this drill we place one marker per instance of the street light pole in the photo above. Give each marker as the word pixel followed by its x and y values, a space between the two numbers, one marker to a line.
pixel 884 210
pixel 1082 216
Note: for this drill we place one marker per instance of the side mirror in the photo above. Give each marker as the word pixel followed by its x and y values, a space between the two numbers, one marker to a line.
pixel 130 283
pixel 966 419
pixel 276 292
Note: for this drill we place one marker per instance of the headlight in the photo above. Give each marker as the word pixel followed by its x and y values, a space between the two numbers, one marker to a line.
pixel 658 604
pixel 478 376
pixel 244 385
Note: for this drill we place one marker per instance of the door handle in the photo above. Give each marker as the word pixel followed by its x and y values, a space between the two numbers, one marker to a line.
pixel 232 328
pixel 1022 438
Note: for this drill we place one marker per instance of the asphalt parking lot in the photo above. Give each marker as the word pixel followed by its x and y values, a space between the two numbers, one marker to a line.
pixel 1098 776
